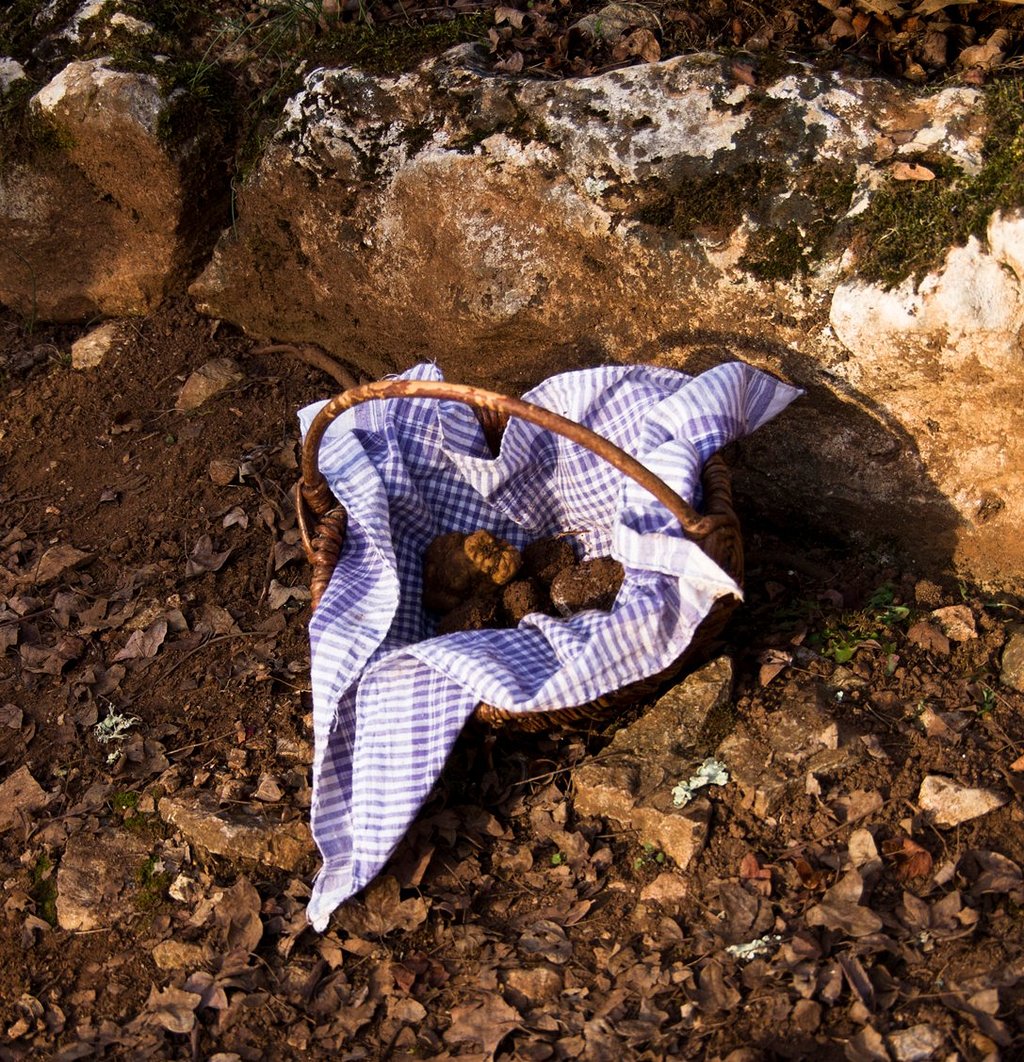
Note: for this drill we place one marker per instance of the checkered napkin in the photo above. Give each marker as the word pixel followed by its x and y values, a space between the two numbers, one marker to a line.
pixel 389 697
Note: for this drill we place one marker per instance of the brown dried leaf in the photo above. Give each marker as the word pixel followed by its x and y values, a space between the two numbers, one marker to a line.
pixel 912 171
pixel 991 872
pixel 238 916
pixel 843 916
pixel 144 644
pixel 204 558
pixel 512 15
pixel 54 563
pixel 486 1021
pixel 383 911
pixel 758 876
pixel 512 65
pixel 912 861
pixel 547 940
pixel 279 595
pixel 172 1009
pixel 773 661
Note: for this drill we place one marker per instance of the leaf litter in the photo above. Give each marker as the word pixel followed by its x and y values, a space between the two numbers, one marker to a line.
pixel 828 904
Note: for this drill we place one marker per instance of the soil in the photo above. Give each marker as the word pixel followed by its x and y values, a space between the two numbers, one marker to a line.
pixel 843 922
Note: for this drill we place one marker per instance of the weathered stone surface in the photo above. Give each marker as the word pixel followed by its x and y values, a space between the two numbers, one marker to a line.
pixel 668 889
pixel 108 186
pixel 238 832
pixel 10 71
pixel 178 955
pixel 20 796
pixel 206 382
pixel 951 803
pixel 98 879
pixel 1012 665
pixel 634 216
pixel 632 782
pixel 89 351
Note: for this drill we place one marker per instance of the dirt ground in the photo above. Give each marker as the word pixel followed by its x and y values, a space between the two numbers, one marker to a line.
pixel 842 921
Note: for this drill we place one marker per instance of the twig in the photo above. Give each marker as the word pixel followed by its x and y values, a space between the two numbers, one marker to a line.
pixel 312 356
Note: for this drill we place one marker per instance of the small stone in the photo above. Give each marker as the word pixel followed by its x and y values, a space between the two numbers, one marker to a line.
pixel 20 796
pixel 668 889
pixel 919 1043
pixel 135 26
pixel 223 470
pixel 237 759
pixel 957 622
pixel 294 749
pixel 208 381
pixel 98 879
pixel 10 71
pixel 1012 667
pixel 951 803
pixel 237 832
pixel 91 349
pixel 269 790
pixel 177 955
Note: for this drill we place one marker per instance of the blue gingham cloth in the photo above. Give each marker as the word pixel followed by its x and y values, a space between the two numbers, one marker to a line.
pixel 389 697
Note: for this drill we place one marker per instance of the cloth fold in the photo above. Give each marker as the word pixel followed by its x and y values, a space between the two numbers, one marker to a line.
pixel 389 697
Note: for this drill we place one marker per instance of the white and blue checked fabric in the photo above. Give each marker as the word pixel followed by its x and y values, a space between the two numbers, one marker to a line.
pixel 389 698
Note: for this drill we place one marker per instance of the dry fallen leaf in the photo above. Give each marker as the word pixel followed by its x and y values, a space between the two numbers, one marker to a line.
pixel 383 911
pixel 204 558
pixel 758 876
pixel 144 644
pixel 912 861
pixel 172 1009
pixel 911 171
pixel 485 1021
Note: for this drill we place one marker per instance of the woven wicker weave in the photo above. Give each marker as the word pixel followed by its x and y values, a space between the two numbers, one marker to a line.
pixel 322 522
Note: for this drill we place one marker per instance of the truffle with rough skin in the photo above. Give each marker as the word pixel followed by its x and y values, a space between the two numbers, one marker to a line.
pixel 457 567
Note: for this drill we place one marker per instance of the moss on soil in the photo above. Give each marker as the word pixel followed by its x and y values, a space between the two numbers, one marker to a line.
pixel 910 225
pixel 44 888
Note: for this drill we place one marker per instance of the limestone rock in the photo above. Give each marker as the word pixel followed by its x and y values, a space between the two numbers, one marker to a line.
pixel 668 889
pixel 1012 667
pixel 20 796
pixel 89 351
pixel 206 382
pixel 957 622
pixel 178 955
pixel 594 215
pixel 951 803
pixel 263 836
pixel 633 784
pixel 98 878
pixel 10 71
pixel 109 183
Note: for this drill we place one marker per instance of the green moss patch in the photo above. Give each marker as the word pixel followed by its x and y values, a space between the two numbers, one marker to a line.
pixel 910 225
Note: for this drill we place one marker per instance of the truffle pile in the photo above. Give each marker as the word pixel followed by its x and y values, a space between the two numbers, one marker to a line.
pixel 478 580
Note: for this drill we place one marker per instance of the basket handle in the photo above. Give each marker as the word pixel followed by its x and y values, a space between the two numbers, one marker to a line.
pixel 313 491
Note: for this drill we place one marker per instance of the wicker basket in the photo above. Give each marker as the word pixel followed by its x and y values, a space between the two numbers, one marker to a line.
pixel 322 522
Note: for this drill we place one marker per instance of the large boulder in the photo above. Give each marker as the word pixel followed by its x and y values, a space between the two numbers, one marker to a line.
pixel 103 213
pixel 670 213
